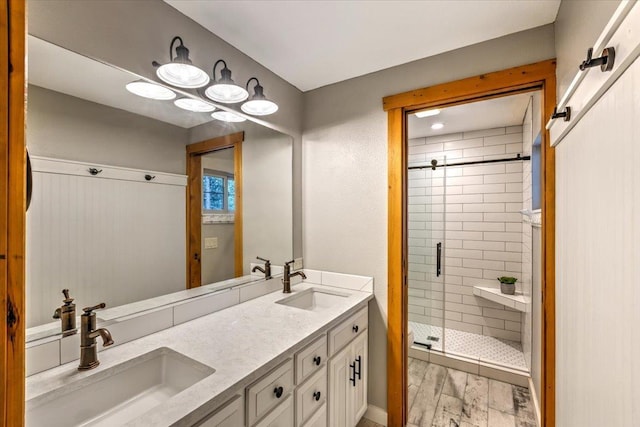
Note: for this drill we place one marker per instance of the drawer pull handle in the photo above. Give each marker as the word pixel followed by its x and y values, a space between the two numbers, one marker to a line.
pixel 353 371
pixel 355 328
pixel 278 392
pixel 317 395
pixel 359 371
pixel 317 360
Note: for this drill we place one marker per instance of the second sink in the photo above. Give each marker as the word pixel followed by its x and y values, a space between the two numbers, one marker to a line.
pixel 118 394
pixel 313 299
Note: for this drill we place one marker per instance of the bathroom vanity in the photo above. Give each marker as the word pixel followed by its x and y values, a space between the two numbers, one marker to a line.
pixel 296 359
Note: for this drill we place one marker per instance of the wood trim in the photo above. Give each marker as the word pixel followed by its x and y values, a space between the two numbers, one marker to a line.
pixel 194 206
pixel 517 78
pixel 397 294
pixel 12 215
pixel 548 320
pixel 540 75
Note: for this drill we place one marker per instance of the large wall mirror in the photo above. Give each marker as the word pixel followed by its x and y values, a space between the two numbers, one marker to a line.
pixel 108 216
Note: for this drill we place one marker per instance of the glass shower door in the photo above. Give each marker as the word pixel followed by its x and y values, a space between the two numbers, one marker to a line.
pixel 426 234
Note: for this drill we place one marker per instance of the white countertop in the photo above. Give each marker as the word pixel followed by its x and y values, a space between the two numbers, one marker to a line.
pixel 241 343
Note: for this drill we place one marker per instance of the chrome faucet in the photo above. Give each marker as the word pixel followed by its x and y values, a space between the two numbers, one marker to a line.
pixel 67 315
pixel 266 270
pixel 88 335
pixel 286 279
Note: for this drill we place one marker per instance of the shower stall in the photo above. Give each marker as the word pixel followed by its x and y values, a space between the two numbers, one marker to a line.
pixel 466 194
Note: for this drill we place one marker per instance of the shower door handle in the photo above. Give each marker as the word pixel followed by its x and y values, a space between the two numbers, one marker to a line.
pixel 438 259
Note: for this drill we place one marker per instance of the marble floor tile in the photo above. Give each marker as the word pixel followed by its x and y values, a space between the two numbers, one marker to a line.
pixel 501 396
pixel 501 419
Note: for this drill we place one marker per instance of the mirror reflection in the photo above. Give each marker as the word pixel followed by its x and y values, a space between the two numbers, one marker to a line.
pixel 111 185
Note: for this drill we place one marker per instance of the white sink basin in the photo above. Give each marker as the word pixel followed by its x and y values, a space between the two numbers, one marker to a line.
pixel 313 299
pixel 119 394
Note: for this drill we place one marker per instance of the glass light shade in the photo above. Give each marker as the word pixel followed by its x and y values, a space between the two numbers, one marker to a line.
pixel 194 105
pixel 182 75
pixel 428 113
pixel 227 116
pixel 150 90
pixel 259 107
pixel 226 93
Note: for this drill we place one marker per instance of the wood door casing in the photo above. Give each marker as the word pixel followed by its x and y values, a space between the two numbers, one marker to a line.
pixel 540 75
pixel 194 203
pixel 12 213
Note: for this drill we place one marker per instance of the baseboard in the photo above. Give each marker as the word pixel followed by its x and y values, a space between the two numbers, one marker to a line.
pixel 377 415
pixel 536 404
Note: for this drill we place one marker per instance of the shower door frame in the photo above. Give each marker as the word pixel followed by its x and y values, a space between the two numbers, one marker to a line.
pixel 525 78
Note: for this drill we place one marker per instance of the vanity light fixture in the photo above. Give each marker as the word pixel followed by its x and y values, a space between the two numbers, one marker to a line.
pixel 437 126
pixel 258 105
pixel 150 90
pixel 180 71
pixel 225 90
pixel 195 105
pixel 227 116
pixel 428 113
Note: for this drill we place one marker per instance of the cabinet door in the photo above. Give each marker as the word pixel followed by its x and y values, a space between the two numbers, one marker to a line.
pixel 339 389
pixel 281 416
pixel 231 414
pixel 359 355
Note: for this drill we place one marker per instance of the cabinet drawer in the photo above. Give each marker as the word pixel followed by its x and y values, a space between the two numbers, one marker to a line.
pixel 230 414
pixel 310 396
pixel 319 419
pixel 282 416
pixel 311 359
pixel 269 391
pixel 342 334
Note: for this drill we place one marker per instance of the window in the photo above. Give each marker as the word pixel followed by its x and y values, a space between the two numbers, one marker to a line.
pixel 218 192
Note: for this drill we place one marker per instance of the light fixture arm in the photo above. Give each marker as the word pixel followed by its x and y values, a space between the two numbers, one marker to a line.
pixel 249 81
pixel 171 46
pixel 221 72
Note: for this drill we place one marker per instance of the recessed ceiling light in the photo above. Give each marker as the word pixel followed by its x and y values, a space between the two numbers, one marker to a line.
pixel 150 90
pixel 427 113
pixel 437 126
pixel 227 116
pixel 194 105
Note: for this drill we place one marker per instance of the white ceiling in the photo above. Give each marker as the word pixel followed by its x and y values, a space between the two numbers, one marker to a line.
pixel 61 70
pixel 493 113
pixel 315 43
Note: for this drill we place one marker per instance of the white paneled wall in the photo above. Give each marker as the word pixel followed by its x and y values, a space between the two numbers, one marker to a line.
pixel 597 262
pixel 106 240
pixel 483 229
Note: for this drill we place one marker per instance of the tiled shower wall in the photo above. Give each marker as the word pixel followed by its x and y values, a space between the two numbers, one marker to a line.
pixel 483 229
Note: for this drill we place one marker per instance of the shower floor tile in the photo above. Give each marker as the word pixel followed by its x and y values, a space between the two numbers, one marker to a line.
pixel 475 346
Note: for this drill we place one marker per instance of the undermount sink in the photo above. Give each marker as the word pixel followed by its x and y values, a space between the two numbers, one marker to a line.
pixel 313 299
pixel 119 394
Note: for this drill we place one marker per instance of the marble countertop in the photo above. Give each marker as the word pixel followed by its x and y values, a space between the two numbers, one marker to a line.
pixel 241 343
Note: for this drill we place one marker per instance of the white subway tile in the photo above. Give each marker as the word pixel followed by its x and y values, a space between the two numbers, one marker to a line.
pixel 513 247
pixel 514 187
pixel 464 143
pixel 465 235
pixel 514 129
pixel 464 180
pixel 484 151
pixel 444 138
pixel 483 321
pixel 513 316
pixel 513 148
pixel 465 198
pixel 419 191
pixel 481 302
pixel 484 189
pixel 491 246
pixel 453 315
pixel 471 216
pixel 415 309
pixel 504 197
pixel 513 207
pixel 416 141
pixel 453 244
pixel 502 256
pixel 484 226
pixel 484 169
pixel 514 167
pixel 512 326
pixel 465 327
pixel 501 140
pixel 513 266
pixel 502 237
pixel 426 148
pixel 484 132
pixel 414 159
pixel 503 217
pixel 483 207
pixel 501 333
pixel 468 272
pixel 513 227
pixel 483 264
pixel 504 177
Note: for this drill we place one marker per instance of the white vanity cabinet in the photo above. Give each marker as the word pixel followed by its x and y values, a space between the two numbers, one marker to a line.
pixel 271 391
pixel 348 371
pixel 230 414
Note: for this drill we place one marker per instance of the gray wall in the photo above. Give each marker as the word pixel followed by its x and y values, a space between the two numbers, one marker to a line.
pixel 345 166
pixel 219 263
pixel 131 34
pixel 70 128
pixel 577 26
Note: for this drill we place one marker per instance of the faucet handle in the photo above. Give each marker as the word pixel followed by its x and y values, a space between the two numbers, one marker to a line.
pixel 67 299
pixel 290 262
pixel 266 261
pixel 88 310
